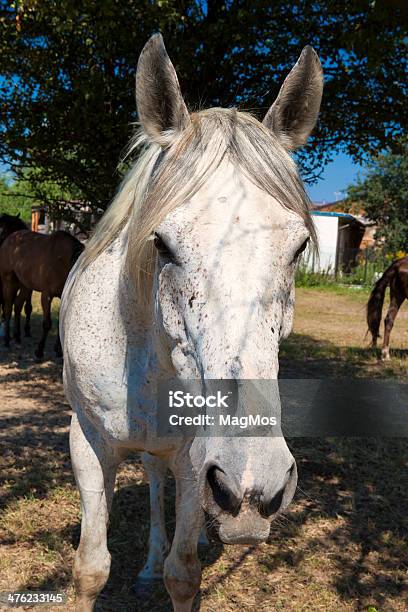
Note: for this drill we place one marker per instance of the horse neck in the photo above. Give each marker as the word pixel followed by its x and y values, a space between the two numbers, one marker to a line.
pixel 9 231
pixel 17 227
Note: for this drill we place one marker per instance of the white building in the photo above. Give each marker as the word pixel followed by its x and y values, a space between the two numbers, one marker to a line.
pixel 339 236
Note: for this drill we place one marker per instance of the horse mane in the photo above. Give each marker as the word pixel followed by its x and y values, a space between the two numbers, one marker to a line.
pixel 166 175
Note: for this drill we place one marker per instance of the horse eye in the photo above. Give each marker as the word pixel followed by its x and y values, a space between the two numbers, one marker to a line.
pixel 162 247
pixel 300 250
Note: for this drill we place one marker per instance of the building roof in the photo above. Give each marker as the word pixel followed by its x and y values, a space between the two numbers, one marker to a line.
pixel 341 215
pixel 327 213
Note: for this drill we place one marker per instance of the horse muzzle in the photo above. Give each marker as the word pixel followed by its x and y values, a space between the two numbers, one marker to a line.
pixel 243 518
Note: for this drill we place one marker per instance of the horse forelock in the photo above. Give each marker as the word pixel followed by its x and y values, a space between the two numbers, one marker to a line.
pixel 168 173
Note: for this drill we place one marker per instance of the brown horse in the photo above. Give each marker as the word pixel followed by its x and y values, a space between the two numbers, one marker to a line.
pixel 35 262
pixel 396 276
pixel 8 225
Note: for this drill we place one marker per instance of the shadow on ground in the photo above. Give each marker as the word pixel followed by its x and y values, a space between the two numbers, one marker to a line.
pixel 347 528
pixel 24 352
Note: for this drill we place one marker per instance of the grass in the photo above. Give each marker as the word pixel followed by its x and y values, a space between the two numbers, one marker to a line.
pixel 329 338
pixel 361 292
pixel 364 274
pixel 341 546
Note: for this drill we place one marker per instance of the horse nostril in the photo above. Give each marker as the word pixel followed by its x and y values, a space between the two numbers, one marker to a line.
pixel 273 506
pixel 224 490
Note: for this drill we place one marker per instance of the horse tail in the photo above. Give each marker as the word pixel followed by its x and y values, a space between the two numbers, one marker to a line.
pixel 376 301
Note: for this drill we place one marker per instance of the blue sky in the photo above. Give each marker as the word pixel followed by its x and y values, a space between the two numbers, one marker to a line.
pixel 335 178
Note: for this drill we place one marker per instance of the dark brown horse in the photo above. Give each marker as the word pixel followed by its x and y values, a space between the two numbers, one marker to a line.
pixel 35 262
pixel 8 225
pixel 396 276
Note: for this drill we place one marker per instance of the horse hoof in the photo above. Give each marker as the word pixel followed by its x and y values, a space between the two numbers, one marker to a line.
pixel 38 357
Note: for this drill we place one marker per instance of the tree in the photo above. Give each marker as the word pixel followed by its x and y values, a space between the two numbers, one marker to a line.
pixel 67 75
pixel 383 192
pixel 18 196
pixel 14 200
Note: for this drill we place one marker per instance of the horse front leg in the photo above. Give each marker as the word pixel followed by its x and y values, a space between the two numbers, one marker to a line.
pixel 28 309
pixel 395 304
pixel 95 464
pixel 10 287
pixel 46 301
pixel 18 307
pixel 159 545
pixel 57 345
pixel 182 569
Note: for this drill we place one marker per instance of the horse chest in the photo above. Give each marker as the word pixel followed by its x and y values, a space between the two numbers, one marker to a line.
pixel 106 358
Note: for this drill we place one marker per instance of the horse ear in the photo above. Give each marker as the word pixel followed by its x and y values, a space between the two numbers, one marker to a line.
pixel 160 104
pixel 17 215
pixel 294 113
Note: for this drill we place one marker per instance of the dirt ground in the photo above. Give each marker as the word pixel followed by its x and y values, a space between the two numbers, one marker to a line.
pixel 341 546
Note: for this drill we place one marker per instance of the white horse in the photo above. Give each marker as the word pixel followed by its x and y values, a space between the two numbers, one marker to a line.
pixel 190 275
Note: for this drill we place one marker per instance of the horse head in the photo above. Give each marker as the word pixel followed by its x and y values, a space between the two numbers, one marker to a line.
pixel 225 221
pixel 10 224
